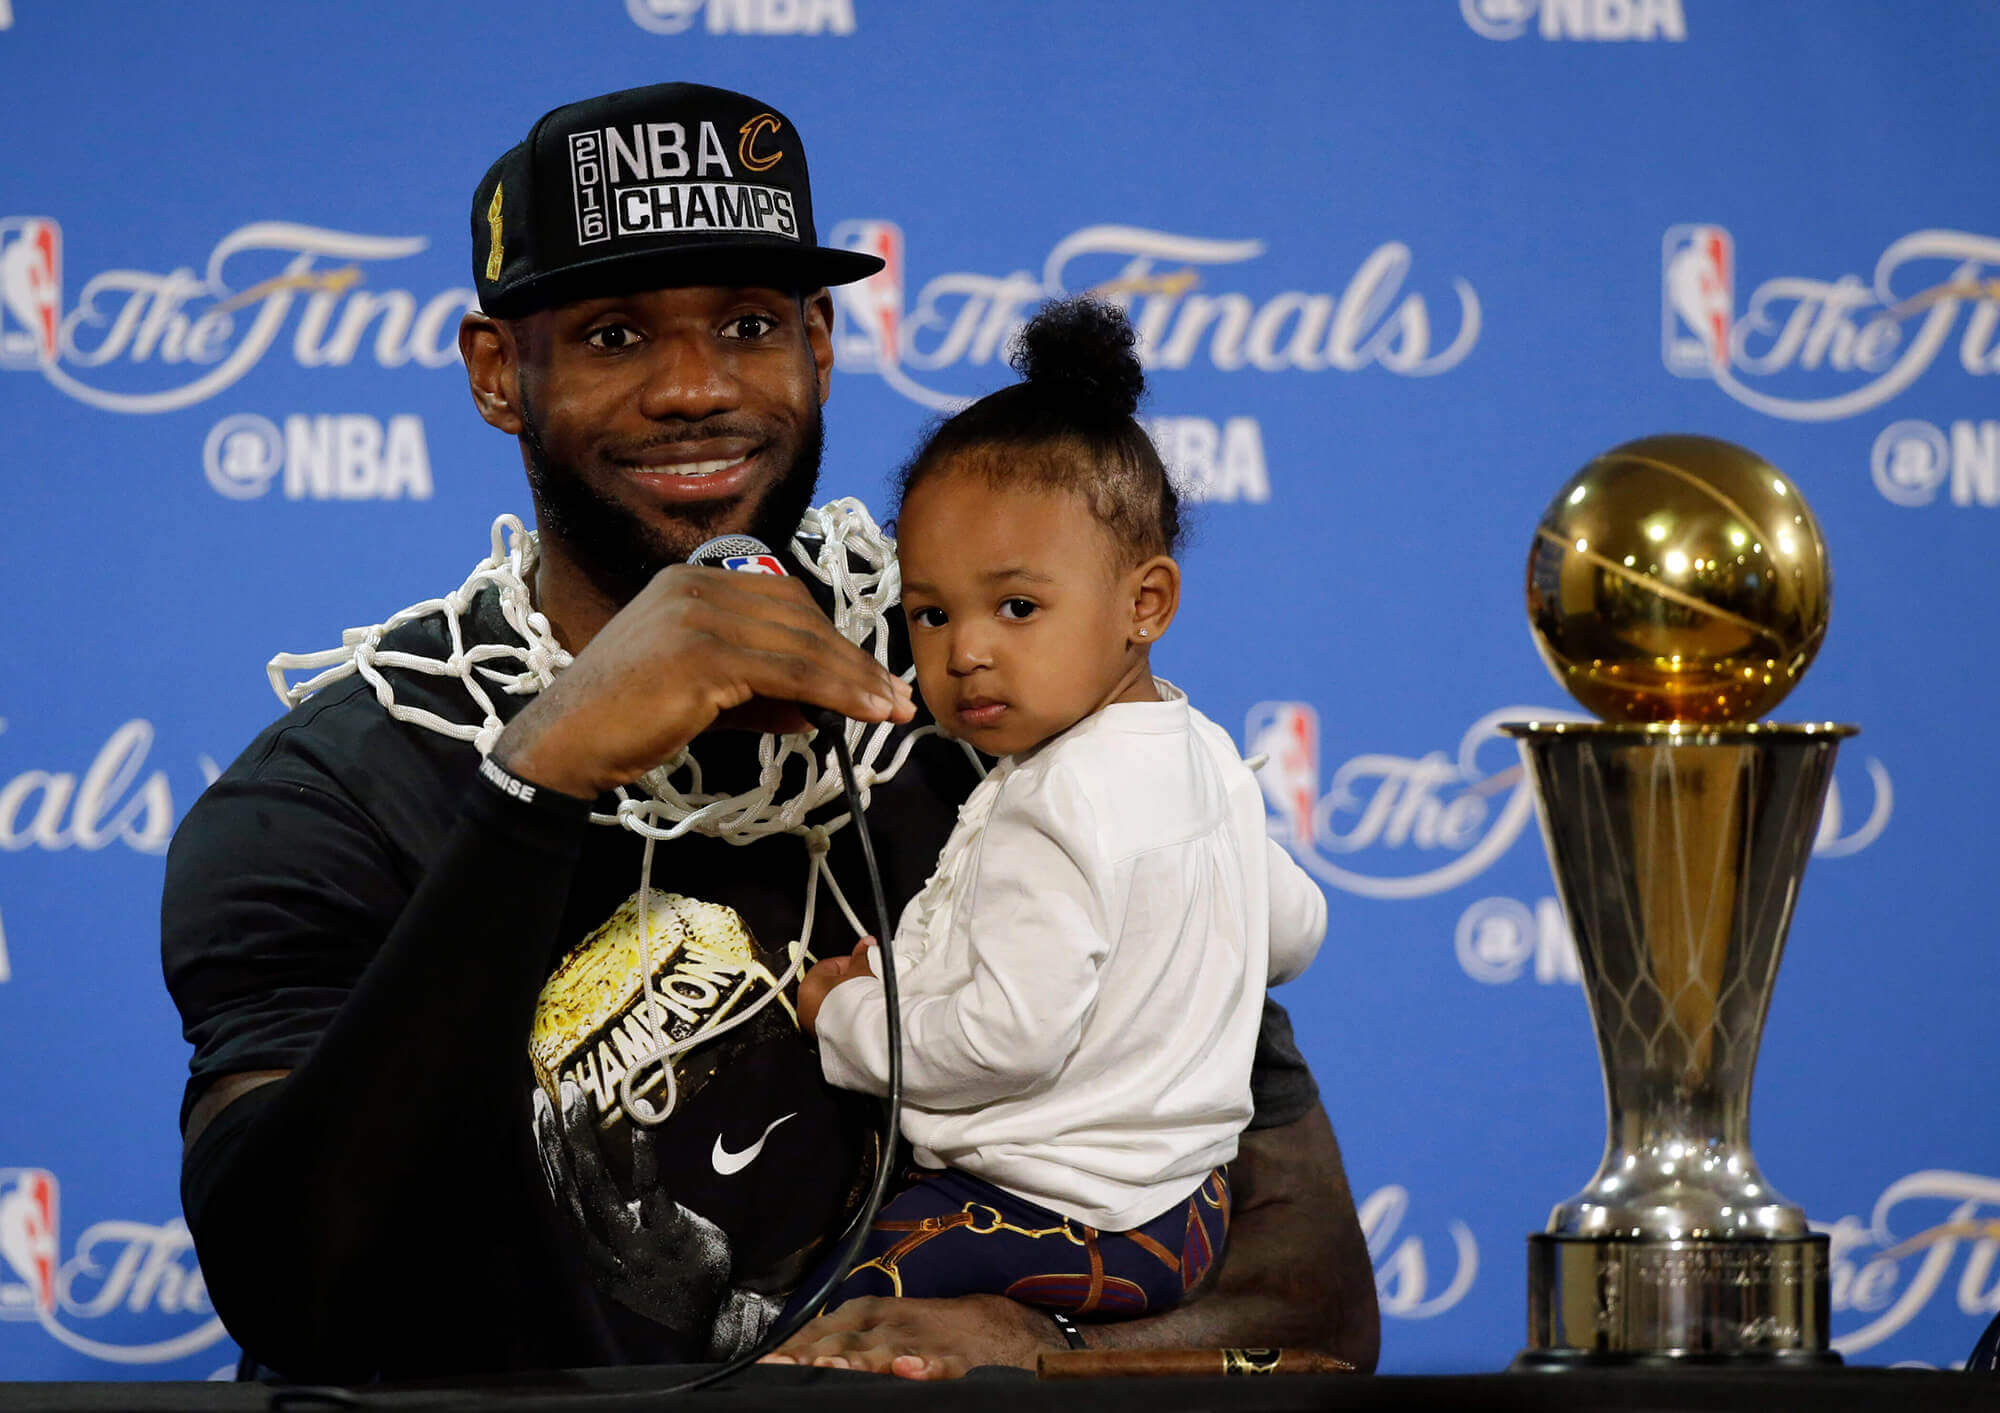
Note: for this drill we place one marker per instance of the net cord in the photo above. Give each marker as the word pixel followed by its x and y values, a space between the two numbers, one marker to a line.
pixel 671 800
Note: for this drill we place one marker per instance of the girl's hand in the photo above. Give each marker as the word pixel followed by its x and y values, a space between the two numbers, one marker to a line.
pixel 826 975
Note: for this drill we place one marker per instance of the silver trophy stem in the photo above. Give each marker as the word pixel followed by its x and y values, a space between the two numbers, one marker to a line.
pixel 1678 853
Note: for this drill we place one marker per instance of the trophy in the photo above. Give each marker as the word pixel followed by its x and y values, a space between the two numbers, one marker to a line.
pixel 1678 588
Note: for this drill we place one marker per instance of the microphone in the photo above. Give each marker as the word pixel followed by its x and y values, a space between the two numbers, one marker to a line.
pixel 746 554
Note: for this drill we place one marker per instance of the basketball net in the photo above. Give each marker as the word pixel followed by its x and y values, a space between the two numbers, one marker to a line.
pixel 671 799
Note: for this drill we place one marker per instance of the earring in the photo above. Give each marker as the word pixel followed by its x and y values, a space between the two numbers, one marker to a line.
pixel 1144 631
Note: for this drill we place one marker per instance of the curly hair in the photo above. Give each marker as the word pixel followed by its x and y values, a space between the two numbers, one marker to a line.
pixel 1067 425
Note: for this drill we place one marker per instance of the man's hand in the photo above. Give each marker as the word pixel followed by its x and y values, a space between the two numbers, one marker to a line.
pixel 826 975
pixel 923 1339
pixel 694 644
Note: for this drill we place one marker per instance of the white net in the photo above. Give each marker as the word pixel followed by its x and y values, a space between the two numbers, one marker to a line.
pixel 838 544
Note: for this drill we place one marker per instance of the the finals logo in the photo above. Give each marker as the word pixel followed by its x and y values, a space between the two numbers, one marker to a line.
pixel 1862 341
pixel 1397 827
pixel 1933 1238
pixel 1175 289
pixel 137 1277
pixel 182 337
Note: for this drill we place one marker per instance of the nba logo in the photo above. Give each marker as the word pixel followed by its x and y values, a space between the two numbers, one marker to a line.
pixel 27 1243
pixel 30 290
pixel 1287 732
pixel 1697 299
pixel 869 337
pixel 754 564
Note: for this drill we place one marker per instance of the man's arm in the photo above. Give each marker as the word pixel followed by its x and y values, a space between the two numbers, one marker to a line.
pixel 403 1010
pixel 1296 1272
pixel 317 1197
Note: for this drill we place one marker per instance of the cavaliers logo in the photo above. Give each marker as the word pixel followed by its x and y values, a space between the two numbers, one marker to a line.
pixel 746 150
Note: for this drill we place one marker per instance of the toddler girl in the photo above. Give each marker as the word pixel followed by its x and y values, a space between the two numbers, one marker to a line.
pixel 1083 977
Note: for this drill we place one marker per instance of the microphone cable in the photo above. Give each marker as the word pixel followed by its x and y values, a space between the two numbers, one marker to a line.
pixel 864 1220
pixel 744 553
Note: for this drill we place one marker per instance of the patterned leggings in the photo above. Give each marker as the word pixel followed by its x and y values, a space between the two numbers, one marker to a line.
pixel 948 1233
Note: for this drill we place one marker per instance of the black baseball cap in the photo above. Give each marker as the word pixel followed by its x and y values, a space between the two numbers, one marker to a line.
pixel 673 184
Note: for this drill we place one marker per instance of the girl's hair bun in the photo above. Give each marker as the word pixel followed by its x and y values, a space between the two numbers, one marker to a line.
pixel 1081 352
pixel 1068 426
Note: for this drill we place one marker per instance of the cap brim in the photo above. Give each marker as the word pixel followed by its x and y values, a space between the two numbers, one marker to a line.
pixel 747 264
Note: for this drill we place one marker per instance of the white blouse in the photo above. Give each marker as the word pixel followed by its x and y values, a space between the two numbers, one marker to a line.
pixel 1083 977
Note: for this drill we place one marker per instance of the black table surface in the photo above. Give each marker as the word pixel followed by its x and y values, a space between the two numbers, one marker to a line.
pixel 837 1391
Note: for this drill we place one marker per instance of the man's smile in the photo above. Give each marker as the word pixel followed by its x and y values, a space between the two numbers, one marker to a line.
pixel 708 470
pixel 693 468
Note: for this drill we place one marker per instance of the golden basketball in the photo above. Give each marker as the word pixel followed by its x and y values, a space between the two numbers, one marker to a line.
pixel 1678 578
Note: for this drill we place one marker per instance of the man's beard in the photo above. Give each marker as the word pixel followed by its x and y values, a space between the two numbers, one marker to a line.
pixel 618 552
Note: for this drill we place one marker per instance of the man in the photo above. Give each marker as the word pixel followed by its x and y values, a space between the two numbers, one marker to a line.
pixel 462 1098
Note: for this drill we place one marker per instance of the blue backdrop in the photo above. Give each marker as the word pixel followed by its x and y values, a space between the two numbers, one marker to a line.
pixel 1402 266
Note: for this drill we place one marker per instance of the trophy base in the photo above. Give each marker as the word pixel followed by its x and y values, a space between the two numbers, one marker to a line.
pixel 1606 1302
pixel 1543 1361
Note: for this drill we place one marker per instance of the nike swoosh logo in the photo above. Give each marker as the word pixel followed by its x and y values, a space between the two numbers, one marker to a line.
pixel 728 1163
